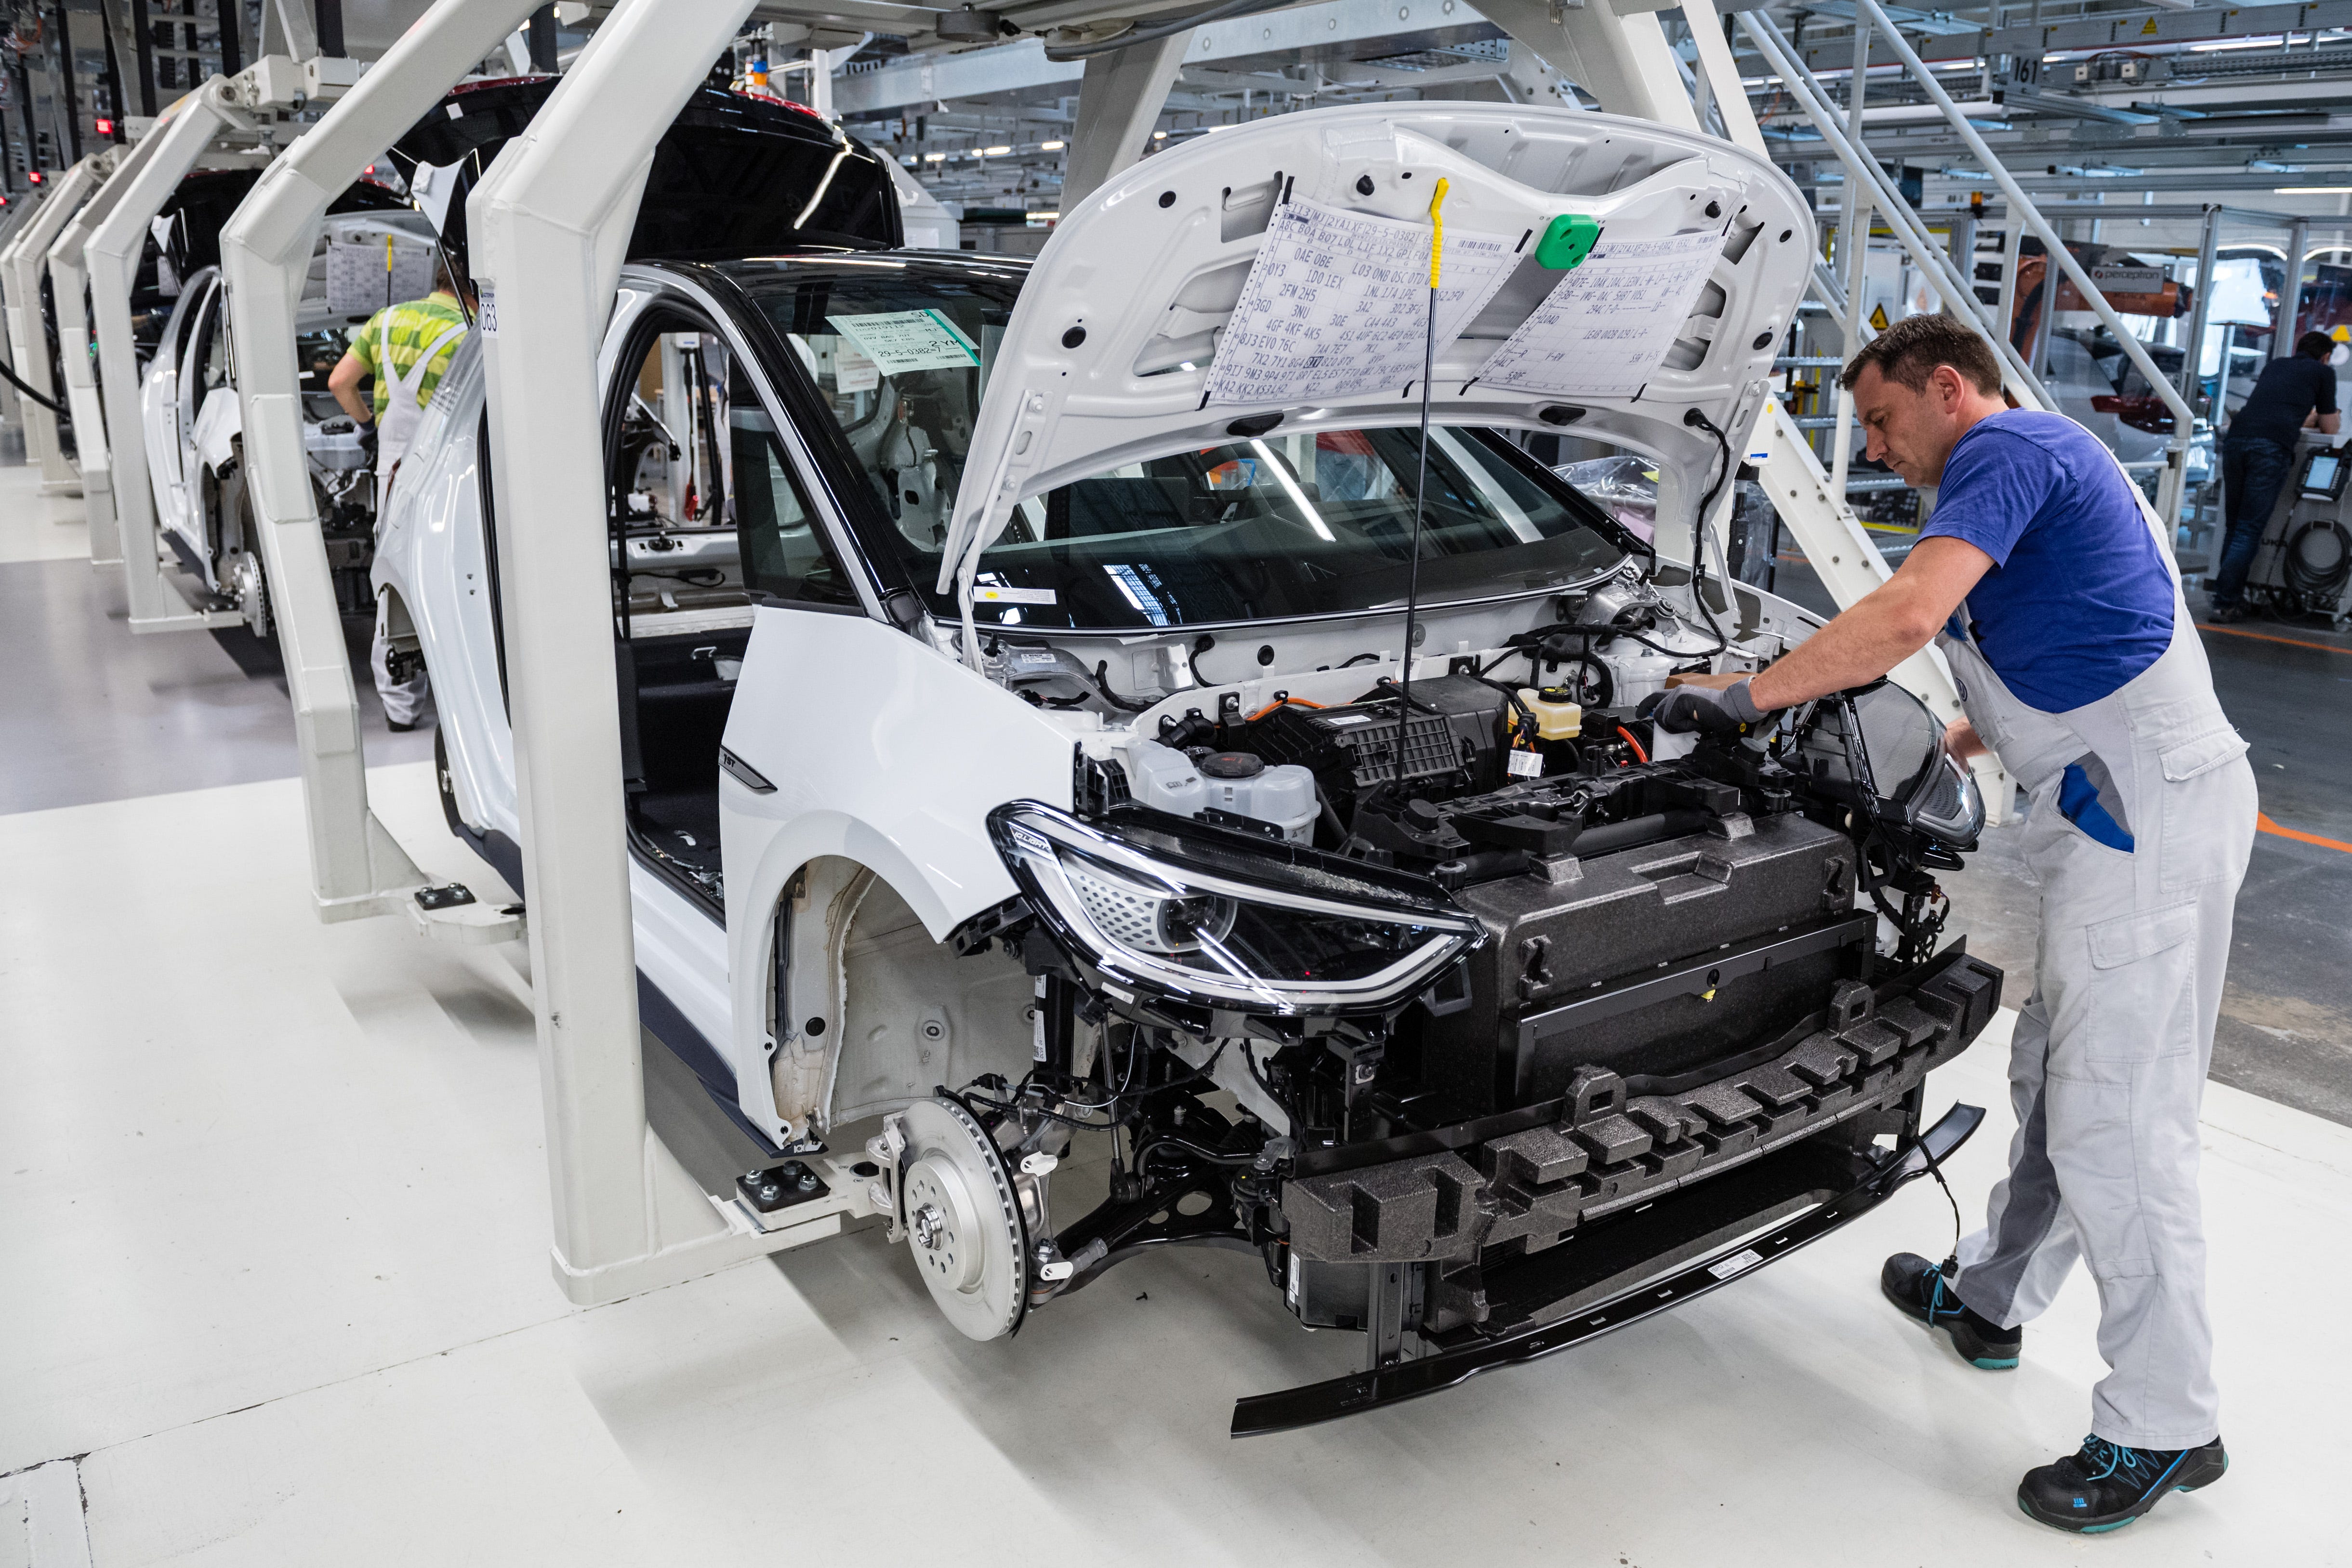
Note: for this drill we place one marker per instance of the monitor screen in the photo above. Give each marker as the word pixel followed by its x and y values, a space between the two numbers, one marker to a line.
pixel 2325 475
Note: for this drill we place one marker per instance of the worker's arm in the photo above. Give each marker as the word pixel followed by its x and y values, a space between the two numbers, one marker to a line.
pixel 2326 423
pixel 1893 621
pixel 344 380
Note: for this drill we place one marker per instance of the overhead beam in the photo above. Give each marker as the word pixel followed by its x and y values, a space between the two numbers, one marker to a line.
pixel 1303 31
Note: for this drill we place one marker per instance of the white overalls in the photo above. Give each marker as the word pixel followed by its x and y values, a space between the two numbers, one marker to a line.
pixel 395 432
pixel 2108 1065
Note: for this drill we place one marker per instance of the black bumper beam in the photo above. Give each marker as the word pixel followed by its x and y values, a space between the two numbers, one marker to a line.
pixel 1317 1402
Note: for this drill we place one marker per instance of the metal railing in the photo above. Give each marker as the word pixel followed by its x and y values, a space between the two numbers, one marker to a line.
pixel 1864 172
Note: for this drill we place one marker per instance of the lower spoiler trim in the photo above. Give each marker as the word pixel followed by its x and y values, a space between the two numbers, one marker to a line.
pixel 1317 1402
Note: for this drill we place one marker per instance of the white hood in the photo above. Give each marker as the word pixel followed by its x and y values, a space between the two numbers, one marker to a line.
pixel 1111 355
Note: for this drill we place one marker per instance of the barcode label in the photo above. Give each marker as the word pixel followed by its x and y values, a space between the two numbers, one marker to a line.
pixel 1747 1258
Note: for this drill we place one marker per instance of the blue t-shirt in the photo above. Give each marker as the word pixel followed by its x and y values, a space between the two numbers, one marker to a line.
pixel 2077 601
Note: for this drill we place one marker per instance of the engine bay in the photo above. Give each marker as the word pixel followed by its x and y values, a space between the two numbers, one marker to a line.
pixel 1405 989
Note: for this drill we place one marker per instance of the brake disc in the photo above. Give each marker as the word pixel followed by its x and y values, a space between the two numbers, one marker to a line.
pixel 964 1220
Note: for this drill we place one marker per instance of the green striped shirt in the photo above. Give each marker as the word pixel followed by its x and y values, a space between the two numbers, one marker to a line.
pixel 415 324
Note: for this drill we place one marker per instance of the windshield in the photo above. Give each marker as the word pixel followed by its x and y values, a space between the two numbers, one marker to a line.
pixel 1311 524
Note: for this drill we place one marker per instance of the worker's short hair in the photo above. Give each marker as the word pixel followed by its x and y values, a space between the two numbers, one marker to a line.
pixel 2315 346
pixel 444 281
pixel 1908 352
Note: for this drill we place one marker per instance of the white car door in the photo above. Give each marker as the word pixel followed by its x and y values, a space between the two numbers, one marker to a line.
pixel 166 421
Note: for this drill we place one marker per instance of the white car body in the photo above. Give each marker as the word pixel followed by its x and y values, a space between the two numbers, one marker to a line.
pixel 862 796
pixel 921 790
pixel 192 425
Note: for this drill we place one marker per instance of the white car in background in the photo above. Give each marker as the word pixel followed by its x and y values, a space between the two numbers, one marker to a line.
pixel 194 429
pixel 1015 749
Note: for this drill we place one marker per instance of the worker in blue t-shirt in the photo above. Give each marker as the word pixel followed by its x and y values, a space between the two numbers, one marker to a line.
pixel 2293 395
pixel 2056 603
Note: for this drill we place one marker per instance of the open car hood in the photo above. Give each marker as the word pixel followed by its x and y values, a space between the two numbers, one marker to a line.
pixel 1113 353
pixel 734 175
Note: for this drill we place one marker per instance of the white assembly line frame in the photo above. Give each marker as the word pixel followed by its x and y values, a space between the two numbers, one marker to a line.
pixel 22 265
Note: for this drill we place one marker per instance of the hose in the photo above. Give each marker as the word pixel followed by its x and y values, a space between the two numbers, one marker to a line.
pixel 2318 590
pixel 46 402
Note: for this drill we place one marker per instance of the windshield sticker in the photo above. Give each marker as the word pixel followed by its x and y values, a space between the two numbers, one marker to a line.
pixel 984 594
pixel 1606 327
pixel 1337 305
pixel 902 341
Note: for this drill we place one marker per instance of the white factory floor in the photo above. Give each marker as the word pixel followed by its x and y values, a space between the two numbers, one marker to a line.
pixel 275 1291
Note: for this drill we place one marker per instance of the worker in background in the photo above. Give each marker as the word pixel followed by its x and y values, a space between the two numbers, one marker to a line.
pixel 2056 602
pixel 2294 394
pixel 406 347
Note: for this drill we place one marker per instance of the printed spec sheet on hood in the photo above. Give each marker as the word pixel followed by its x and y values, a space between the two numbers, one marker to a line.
pixel 1337 305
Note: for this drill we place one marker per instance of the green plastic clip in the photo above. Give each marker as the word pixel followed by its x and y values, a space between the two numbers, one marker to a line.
pixel 1567 240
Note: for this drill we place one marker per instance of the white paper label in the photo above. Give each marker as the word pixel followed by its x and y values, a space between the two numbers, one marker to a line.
pixel 1606 326
pixel 2128 279
pixel 361 283
pixel 486 298
pixel 901 340
pixel 984 595
pixel 853 372
pixel 1747 1257
pixel 1523 764
pixel 1337 305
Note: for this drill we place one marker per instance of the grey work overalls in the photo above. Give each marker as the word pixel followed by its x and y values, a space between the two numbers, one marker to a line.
pixel 2107 1069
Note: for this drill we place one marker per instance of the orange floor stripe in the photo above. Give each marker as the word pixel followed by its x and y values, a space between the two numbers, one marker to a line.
pixel 2266 637
pixel 2263 820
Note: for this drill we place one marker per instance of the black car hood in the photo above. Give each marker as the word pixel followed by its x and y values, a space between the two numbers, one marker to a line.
pixel 730 177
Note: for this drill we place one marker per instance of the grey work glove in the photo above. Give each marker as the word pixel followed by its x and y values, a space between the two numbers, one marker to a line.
pixel 1688 709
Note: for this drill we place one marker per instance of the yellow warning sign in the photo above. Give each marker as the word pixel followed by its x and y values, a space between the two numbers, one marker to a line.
pixel 1878 318
pixel 2148 30
pixel 2342 334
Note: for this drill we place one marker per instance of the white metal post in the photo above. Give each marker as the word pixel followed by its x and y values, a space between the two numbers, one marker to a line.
pixel 179 139
pixel 24 262
pixel 12 222
pixel 549 227
pixel 1618 53
pixel 356 867
pixel 69 284
pixel 2290 306
pixel 1120 100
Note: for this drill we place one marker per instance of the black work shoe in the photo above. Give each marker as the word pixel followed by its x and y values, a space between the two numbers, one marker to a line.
pixel 2227 614
pixel 398 727
pixel 1922 1289
pixel 2106 1486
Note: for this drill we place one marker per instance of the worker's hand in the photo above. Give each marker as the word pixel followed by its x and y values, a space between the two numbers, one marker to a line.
pixel 1699 705
pixel 367 437
pixel 1718 682
pixel 1962 739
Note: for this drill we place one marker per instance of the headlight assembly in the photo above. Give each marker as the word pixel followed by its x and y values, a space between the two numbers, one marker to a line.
pixel 1209 917
pixel 1879 749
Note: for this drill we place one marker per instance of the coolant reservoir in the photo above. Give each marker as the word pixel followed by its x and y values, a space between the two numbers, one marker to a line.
pixel 1239 782
pixel 1557 718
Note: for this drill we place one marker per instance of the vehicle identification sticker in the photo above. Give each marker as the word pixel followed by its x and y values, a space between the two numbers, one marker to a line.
pixel 1337 304
pixel 901 340
pixel 1747 1258
pixel 984 594
pixel 1605 328
pixel 1523 764
pixel 486 295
